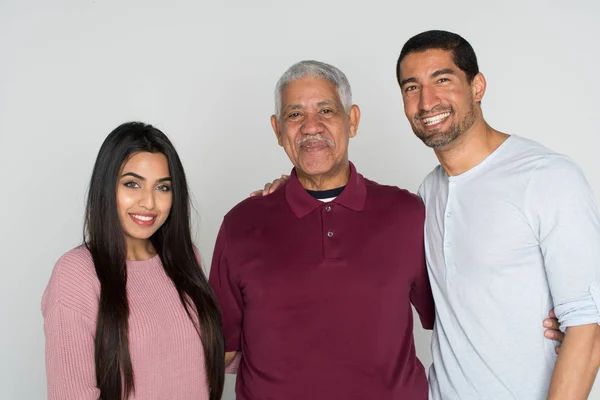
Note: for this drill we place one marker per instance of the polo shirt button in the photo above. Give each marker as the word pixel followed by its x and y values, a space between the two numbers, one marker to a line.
pixel 327 208
pixel 330 234
pixel 448 214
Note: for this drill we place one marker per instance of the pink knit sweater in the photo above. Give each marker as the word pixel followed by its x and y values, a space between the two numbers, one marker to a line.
pixel 166 352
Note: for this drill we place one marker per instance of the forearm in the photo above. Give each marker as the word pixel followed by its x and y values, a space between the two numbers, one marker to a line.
pixel 577 364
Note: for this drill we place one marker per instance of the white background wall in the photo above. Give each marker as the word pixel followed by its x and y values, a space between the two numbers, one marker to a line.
pixel 204 72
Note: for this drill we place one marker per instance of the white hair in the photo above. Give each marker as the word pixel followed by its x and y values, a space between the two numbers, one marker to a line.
pixel 314 69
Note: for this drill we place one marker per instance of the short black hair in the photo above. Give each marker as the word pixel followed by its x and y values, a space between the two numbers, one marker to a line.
pixel 463 54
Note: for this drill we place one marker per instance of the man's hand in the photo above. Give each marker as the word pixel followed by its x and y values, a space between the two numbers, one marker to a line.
pixel 271 187
pixel 552 329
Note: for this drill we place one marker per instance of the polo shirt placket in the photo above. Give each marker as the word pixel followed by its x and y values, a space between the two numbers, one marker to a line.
pixel 333 236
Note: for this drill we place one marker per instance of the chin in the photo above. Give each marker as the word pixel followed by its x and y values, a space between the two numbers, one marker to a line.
pixel 315 169
pixel 140 234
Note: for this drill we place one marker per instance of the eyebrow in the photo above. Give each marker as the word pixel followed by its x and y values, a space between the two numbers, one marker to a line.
pixel 141 178
pixel 445 71
pixel 290 107
pixel 407 80
pixel 327 103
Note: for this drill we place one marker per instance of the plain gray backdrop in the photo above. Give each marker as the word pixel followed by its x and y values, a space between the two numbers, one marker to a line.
pixel 204 73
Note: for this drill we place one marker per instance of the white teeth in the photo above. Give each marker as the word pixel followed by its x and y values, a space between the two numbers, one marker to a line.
pixel 142 217
pixel 435 119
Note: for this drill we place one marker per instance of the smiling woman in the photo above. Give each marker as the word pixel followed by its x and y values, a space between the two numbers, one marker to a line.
pixel 129 314
pixel 144 199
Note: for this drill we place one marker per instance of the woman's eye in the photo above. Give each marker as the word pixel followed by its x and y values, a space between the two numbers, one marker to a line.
pixel 131 184
pixel 164 188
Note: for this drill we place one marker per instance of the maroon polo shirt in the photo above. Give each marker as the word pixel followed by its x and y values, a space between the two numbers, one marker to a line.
pixel 317 295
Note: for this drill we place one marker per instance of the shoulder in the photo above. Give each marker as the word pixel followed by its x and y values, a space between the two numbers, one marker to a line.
pixel 524 154
pixel 395 197
pixel 545 165
pixel 557 164
pixel 556 178
pixel 253 207
pixel 73 283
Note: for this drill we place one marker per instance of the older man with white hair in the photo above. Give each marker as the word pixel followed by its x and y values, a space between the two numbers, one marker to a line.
pixel 316 281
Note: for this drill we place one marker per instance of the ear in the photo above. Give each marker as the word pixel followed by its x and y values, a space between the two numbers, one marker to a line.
pixel 275 125
pixel 354 120
pixel 478 87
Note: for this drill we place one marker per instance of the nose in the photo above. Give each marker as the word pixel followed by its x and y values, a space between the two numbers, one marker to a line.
pixel 428 98
pixel 312 124
pixel 147 200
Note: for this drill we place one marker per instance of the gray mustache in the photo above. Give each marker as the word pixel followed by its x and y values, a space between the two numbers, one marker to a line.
pixel 316 137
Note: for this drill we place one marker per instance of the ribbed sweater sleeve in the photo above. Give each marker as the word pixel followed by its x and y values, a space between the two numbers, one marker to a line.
pixel 70 370
pixel 69 307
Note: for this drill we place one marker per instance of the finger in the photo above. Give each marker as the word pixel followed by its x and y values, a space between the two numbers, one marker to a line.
pixel 557 349
pixel 266 189
pixel 559 336
pixel 551 323
pixel 277 183
pixel 285 177
pixel 551 314
pixel 554 335
pixel 256 193
pixel 274 185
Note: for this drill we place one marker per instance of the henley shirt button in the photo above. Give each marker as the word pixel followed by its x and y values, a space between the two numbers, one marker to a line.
pixel 448 214
pixel 330 234
pixel 327 208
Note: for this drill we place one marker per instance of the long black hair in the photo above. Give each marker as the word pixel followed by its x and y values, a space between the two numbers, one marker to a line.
pixel 105 239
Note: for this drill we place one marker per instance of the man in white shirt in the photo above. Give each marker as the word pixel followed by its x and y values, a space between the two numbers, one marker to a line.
pixel 512 230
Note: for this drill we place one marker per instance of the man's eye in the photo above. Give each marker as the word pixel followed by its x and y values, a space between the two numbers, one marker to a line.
pixel 131 184
pixel 410 88
pixel 294 115
pixel 326 111
pixel 442 80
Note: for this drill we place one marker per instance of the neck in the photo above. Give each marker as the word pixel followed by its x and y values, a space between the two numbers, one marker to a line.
pixel 470 148
pixel 139 250
pixel 333 179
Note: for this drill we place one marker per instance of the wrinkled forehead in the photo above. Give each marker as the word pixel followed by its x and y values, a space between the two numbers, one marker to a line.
pixel 309 90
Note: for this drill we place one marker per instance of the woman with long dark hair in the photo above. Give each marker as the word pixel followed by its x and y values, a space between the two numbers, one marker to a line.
pixel 129 314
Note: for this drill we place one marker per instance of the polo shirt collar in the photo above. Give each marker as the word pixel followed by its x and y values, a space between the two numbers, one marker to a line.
pixel 353 197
